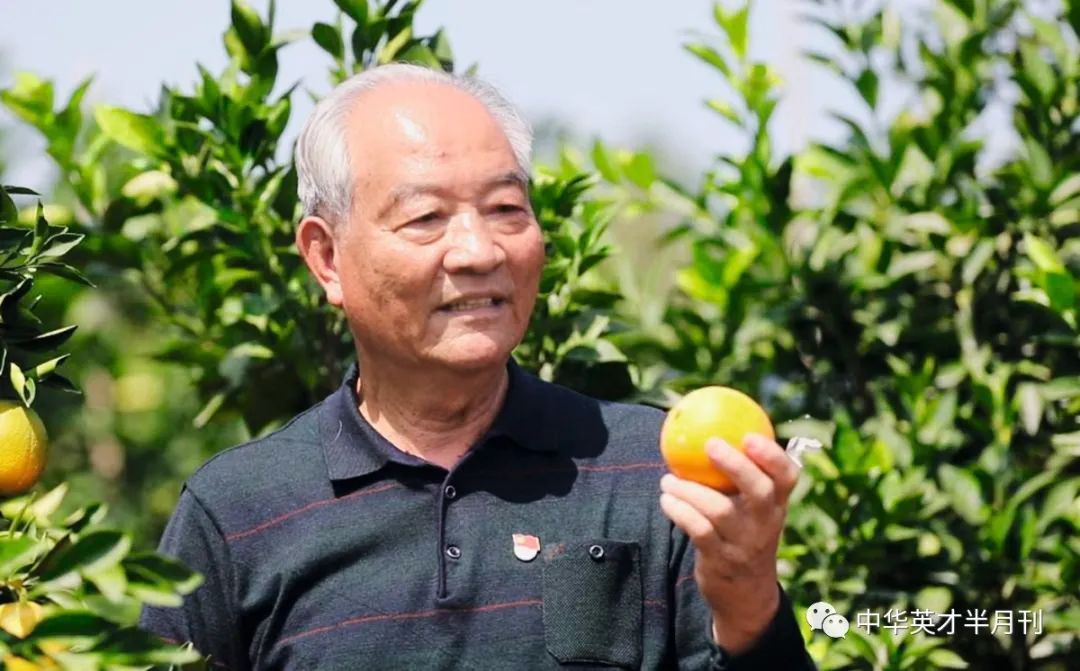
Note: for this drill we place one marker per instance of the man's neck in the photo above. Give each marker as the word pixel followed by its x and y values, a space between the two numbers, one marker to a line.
pixel 435 415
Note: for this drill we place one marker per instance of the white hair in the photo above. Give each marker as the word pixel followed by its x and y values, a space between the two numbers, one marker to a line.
pixel 323 163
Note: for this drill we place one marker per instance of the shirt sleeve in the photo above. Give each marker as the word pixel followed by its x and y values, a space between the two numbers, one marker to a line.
pixel 781 645
pixel 207 618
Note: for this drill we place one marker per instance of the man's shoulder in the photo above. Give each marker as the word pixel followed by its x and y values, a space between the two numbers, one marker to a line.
pixel 284 459
pixel 624 423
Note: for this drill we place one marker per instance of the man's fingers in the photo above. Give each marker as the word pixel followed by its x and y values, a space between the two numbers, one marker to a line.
pixel 695 525
pixel 774 461
pixel 715 506
pixel 753 484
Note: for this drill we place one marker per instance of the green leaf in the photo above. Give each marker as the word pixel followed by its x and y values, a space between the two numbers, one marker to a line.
pixel 46 342
pixel 65 271
pixel 1059 501
pixel 734 25
pixel 96 551
pixel 357 10
pixel 156 568
pixel 43 508
pixel 1061 289
pixel 1066 189
pixel 111 581
pixel 1030 403
pixel 360 43
pixel 329 38
pixel 391 49
pixel 72 624
pixel 1066 214
pixel 725 110
pixel 1042 254
pixel 602 160
pixel 710 56
pixel 60 244
pixel 61 383
pixel 31 99
pixel 149 186
pixel 18 190
pixel 847 449
pixel 209 410
pixel 943 658
pixel 976 260
pixel 964 492
pixel 9 213
pixel 867 84
pixel 1061 388
pixel 137 132
pixel 1039 163
pixel 82 518
pixel 46 368
pixel 1029 528
pixel 421 55
pixel 237 53
pixel 249 28
pixel 912 262
pixel 440 45
pixel 641 170
pixel 1038 71
pixel 23 386
pixel 41 231
pixel 17 553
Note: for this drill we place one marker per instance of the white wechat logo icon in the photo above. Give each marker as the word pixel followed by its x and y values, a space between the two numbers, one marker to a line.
pixel 835 626
pixel 816 614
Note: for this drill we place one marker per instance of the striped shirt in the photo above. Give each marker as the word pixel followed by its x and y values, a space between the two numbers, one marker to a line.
pixel 323 546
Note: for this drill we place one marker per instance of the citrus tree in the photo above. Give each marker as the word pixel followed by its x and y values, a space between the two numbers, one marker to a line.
pixel 70 588
pixel 911 300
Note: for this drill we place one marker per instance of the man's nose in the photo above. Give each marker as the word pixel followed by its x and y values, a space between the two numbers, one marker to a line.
pixel 473 247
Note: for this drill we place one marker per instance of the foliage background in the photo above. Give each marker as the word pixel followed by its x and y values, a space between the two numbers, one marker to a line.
pixel 902 293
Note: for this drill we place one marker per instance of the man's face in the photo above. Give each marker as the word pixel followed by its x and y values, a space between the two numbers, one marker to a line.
pixel 440 260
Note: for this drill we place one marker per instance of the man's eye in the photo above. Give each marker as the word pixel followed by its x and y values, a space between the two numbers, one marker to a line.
pixel 430 217
pixel 508 208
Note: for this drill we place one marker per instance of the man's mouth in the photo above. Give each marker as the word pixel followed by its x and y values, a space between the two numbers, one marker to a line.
pixel 472 304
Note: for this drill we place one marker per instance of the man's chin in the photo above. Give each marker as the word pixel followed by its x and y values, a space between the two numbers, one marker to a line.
pixel 474 352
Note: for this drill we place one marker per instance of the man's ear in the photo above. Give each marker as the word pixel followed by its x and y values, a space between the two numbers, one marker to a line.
pixel 318 246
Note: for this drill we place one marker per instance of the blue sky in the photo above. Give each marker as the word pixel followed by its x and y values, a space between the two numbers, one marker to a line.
pixel 613 69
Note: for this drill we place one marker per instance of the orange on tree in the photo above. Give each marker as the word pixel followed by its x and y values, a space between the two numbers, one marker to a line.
pixel 23 442
pixel 709 412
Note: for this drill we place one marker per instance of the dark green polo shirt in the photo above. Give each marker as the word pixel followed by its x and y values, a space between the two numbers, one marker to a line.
pixel 325 547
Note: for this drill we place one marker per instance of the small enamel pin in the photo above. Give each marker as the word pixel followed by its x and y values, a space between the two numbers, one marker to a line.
pixel 526 546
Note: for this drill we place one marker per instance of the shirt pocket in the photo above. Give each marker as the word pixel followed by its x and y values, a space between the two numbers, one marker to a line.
pixel 593 603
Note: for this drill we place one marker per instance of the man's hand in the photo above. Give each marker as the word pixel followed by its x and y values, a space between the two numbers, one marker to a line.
pixel 736 535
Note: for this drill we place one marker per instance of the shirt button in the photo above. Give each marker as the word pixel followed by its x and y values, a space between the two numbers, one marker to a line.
pixel 596 552
pixel 453 551
pixel 450 492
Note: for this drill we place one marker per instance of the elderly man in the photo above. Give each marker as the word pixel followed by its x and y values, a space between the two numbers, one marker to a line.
pixel 443 508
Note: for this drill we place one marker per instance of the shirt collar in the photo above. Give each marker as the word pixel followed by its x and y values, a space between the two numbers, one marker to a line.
pixel 353 448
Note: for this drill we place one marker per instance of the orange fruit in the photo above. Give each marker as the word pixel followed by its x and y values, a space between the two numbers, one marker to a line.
pixel 709 412
pixel 22 448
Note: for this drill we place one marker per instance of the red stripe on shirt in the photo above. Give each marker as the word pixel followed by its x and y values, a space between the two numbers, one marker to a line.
pixel 311 506
pixel 408 616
